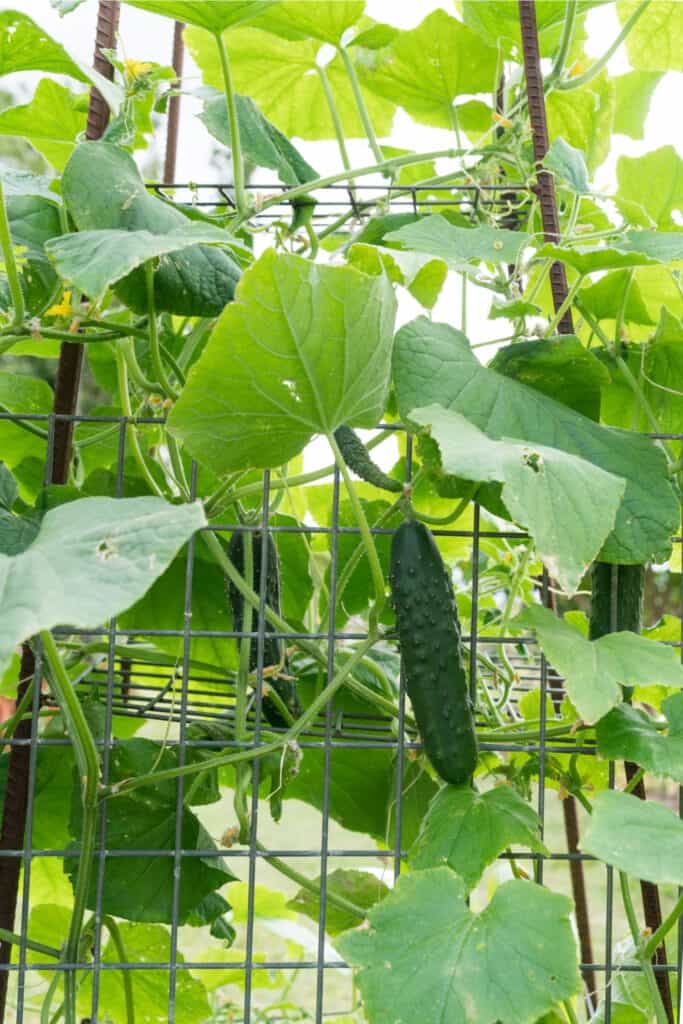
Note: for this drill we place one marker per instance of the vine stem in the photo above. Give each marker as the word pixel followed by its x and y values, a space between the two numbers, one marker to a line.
pixel 235 143
pixel 360 104
pixel 37 947
pixel 565 42
pixel 87 762
pixel 566 303
pixel 115 933
pixel 311 886
pixel 657 938
pixel 241 692
pixel 336 120
pixel 361 519
pixel 11 264
pixel 595 68
pixel 645 963
pixel 569 1010
pixel 252 754
pixel 124 398
pixel 155 351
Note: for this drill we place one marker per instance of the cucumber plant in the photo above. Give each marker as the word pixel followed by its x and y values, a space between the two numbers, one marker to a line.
pixel 239 652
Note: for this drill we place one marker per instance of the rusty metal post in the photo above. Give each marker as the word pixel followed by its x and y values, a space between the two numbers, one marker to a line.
pixel 173 121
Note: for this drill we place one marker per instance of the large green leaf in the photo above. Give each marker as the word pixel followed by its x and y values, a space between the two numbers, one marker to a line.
pixel 640 837
pixel 540 488
pixel 262 143
pixel 561 368
pixel 457 246
pixel 655 43
pixel 568 165
pixel 324 20
pixel 426 957
pixel 431 65
pixel 433 363
pixel 25 46
pixel 659 246
pixel 32 220
pixel 467 830
pixel 51 122
pixel 214 16
pixel 628 734
pixel 282 77
pixel 304 349
pixel 94 260
pixel 424 276
pixel 633 96
pixel 360 887
pixel 651 188
pixel 103 189
pixel 91 559
pixel 596 670
pixel 605 299
pixel 584 117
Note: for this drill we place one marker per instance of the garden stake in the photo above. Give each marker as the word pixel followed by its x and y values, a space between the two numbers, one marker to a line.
pixel 174 106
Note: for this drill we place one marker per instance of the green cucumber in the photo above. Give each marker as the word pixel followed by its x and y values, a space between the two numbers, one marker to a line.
pixel 274 652
pixel 626 599
pixel 431 652
pixel 358 460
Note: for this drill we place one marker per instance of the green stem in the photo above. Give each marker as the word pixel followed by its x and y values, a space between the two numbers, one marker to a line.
pixel 657 938
pixel 311 886
pixel 336 120
pixel 135 370
pixel 569 298
pixel 360 104
pixel 126 976
pixel 124 399
pixel 565 42
pixel 177 466
pixel 241 692
pixel 569 1010
pixel 634 781
pixel 155 352
pixel 36 947
pixel 9 725
pixel 235 143
pixel 252 754
pixel 366 536
pixel 26 425
pixel 10 264
pixel 645 963
pixel 452 516
pixel 595 68
pixel 87 761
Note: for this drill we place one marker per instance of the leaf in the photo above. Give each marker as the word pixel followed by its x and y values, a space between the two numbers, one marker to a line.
pixel 655 43
pixel 497 21
pixel 568 165
pixel 423 276
pixel 650 188
pixel 145 944
pixel 20 393
pixel 595 670
pixel 586 259
pixel 282 77
pixel 432 64
pixel 307 347
pixel 584 118
pixel 540 486
pixel 214 17
pixel 561 368
pixel 102 189
pixel 25 46
pixel 262 143
pixel 325 21
pixel 634 92
pixel 25 183
pixel 426 957
pixel 435 236
pixel 640 837
pixel 605 298
pixel 433 363
pixel 662 246
pixel 630 999
pixel 32 220
pixel 51 122
pixel 94 260
pixel 467 830
pixel 627 733
pixel 359 887
pixel 117 548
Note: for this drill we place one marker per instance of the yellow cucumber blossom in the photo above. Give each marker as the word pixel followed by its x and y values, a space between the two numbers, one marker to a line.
pixel 62 308
pixel 136 68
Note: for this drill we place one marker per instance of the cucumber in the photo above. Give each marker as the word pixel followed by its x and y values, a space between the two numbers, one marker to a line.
pixel 629 583
pixel 357 459
pixel 273 647
pixel 431 652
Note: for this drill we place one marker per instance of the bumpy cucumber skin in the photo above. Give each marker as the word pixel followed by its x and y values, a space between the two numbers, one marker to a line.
pixel 273 647
pixel 431 651
pixel 630 583
pixel 357 459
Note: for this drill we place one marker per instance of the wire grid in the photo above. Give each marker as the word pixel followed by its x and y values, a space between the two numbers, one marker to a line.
pixel 180 696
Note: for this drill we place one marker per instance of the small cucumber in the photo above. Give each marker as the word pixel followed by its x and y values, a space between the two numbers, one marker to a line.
pixel 431 651
pixel 273 647
pixel 618 587
pixel 357 459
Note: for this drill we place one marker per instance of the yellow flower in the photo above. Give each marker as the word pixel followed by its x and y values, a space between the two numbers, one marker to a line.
pixel 576 69
pixel 62 308
pixel 136 68
pixel 502 121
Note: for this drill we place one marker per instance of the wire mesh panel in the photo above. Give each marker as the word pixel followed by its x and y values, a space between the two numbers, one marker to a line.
pixel 158 701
